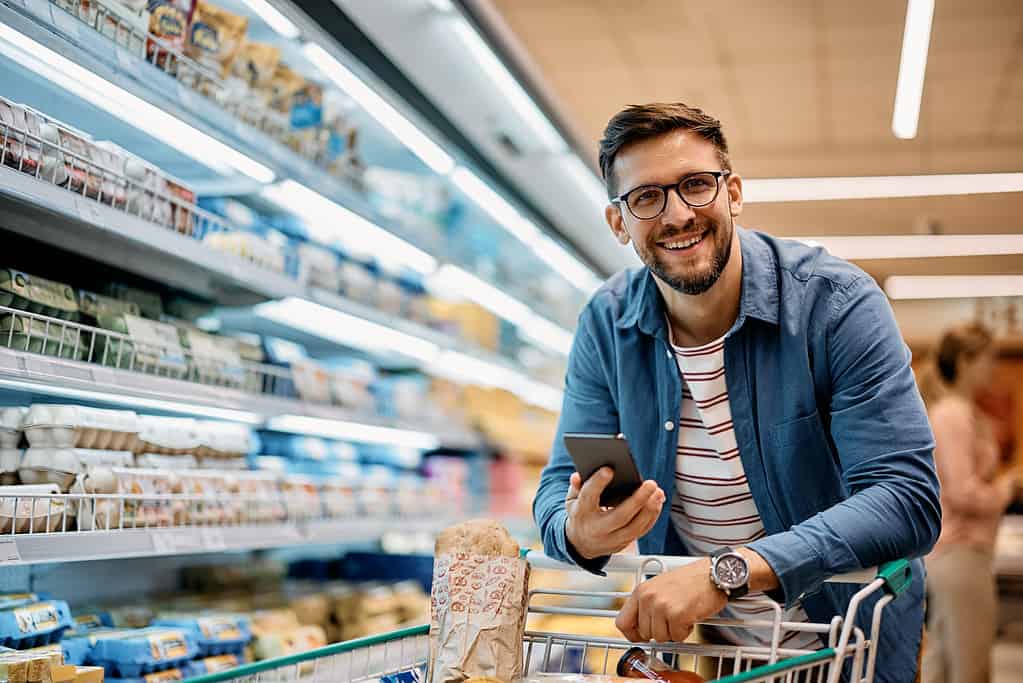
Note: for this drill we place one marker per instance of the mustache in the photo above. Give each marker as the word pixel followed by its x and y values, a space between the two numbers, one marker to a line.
pixel 690 230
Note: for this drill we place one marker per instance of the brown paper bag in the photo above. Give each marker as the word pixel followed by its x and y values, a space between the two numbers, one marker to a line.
pixel 478 605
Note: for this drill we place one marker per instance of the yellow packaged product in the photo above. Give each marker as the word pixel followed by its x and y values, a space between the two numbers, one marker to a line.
pixel 89 674
pixel 215 37
pixel 284 86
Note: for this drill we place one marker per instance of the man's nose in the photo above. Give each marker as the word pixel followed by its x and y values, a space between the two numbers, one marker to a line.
pixel 676 212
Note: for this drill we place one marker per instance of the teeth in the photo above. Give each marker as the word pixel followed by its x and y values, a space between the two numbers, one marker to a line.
pixel 682 245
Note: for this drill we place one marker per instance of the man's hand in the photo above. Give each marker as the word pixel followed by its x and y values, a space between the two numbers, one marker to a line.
pixel 595 531
pixel 666 607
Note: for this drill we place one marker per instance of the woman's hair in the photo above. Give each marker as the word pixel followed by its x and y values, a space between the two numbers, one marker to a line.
pixel 941 369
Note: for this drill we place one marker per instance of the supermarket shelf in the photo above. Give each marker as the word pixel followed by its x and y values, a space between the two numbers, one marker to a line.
pixel 126 543
pixel 38 209
pixel 34 373
pixel 63 33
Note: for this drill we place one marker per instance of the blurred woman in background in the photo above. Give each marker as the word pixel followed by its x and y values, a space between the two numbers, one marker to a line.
pixel 962 594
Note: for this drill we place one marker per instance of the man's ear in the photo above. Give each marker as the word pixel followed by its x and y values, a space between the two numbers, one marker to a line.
pixel 735 194
pixel 613 216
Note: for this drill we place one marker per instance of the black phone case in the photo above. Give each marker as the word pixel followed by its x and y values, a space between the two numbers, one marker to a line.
pixel 590 452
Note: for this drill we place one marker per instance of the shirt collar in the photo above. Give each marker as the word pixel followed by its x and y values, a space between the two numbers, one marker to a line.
pixel 759 298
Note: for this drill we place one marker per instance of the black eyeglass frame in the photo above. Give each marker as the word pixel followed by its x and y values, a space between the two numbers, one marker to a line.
pixel 718 176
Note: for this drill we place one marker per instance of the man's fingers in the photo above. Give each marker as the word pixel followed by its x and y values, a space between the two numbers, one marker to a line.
pixel 626 619
pixel 643 522
pixel 679 631
pixel 659 630
pixel 589 494
pixel 575 483
pixel 647 494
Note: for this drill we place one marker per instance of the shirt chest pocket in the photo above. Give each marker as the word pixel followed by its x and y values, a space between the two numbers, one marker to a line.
pixel 803 433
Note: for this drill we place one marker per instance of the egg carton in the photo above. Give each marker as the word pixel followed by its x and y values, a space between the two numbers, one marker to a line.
pixel 11 420
pixel 157 461
pixel 140 652
pixel 167 435
pixel 49 338
pixel 165 676
pixel 34 625
pixel 57 466
pixel 12 600
pixel 36 515
pixel 223 439
pixel 92 458
pixel 10 461
pixel 74 426
pixel 212 665
pixel 214 634
pixel 37 295
pixel 77 643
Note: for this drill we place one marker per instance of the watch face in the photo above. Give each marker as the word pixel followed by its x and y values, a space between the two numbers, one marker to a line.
pixel 731 571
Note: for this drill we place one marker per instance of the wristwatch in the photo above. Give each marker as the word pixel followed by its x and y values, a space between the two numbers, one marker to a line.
pixel 730 572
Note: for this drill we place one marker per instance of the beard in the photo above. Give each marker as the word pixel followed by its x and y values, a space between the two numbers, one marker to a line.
pixel 696 280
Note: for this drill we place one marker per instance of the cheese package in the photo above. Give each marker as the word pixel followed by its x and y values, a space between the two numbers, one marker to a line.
pixel 477 604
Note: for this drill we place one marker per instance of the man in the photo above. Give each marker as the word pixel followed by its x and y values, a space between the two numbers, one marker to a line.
pixel 765 393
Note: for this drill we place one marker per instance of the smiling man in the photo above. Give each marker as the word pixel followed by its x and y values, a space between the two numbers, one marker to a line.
pixel 766 395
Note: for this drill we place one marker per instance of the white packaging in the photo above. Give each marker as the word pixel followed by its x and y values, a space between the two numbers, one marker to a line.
pixel 71 426
pixel 322 266
pixel 125 25
pixel 11 420
pixel 156 461
pixel 312 382
pixel 167 435
pixel 57 466
pixel 91 459
pixel 38 515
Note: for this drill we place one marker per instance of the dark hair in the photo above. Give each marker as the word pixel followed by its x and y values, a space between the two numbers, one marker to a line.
pixel 961 342
pixel 644 121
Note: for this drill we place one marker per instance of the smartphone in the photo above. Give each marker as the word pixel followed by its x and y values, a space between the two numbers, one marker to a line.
pixel 590 452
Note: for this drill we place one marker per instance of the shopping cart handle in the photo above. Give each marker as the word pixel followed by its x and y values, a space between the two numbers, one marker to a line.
pixel 896 575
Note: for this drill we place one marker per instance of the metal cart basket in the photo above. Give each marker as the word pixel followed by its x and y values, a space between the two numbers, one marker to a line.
pixel 848 646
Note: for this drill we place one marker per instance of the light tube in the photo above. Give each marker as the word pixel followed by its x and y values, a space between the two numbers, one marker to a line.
pixel 132 110
pixel 390 118
pixel 273 18
pixel 877 187
pixel 909 90
pixel 494 204
pixel 329 223
pixel 352 431
pixel 953 286
pixel 916 246
pixel 485 59
pixel 345 329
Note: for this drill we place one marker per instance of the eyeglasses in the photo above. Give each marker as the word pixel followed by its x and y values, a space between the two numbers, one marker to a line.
pixel 696 189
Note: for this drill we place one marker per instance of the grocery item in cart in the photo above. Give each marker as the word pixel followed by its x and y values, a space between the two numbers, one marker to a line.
pixel 478 604
pixel 11 420
pixel 164 676
pixel 57 466
pixel 35 624
pixel 215 634
pixel 215 37
pixel 44 511
pixel 72 426
pixel 37 295
pixel 19 137
pixel 636 663
pixel 126 22
pixel 168 29
pixel 131 654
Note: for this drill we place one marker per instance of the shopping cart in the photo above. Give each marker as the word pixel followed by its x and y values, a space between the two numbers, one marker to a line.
pixel 848 647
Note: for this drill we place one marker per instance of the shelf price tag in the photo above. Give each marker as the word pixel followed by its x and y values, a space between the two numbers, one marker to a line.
pixel 186 541
pixel 9 551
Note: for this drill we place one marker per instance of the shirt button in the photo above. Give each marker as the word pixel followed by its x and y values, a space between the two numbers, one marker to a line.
pixel 669 425
pixel 668 351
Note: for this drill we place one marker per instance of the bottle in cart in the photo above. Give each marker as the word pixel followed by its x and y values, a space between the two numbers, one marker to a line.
pixel 636 663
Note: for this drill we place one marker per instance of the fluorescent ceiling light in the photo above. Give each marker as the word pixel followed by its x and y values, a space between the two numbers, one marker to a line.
pixel 916 246
pixel 330 223
pixel 877 187
pixel 485 59
pixel 390 118
pixel 138 402
pixel 132 110
pixel 273 18
pixel 953 286
pixel 345 329
pixel 912 67
pixel 455 282
pixel 352 431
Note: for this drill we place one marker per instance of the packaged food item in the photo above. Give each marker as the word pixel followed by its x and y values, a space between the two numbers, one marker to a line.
pixel 168 29
pixel 153 347
pixel 28 666
pixel 110 165
pixel 255 64
pixel 40 336
pixel 223 439
pixel 413 675
pixel 54 169
pixel 91 306
pixel 10 461
pixel 148 302
pixel 35 624
pixel 167 435
pixel 144 482
pixel 37 295
pixel 163 676
pixel 212 665
pixel 19 133
pixel 636 663
pixel 11 420
pixel 73 426
pixel 478 604
pixel 291 642
pixel 213 359
pixel 12 600
pixel 249 246
pixel 215 37
pixel 312 381
pixel 84 175
pixel 132 654
pixel 36 514
pixel 301 496
pixel 215 634
pixel 284 85
pixel 57 466
pixel 89 674
pixel 357 280
pixel 321 266
pixel 146 193
pixel 182 199
pixel 126 22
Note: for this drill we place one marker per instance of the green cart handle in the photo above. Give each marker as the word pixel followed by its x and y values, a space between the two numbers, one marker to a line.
pixel 897 576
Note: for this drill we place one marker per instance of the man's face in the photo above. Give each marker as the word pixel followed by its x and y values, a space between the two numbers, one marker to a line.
pixel 691 269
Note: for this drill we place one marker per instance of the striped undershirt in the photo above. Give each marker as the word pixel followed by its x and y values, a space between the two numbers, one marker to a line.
pixel 712 505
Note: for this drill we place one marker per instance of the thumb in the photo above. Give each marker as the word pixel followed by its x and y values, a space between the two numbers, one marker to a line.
pixel 589 495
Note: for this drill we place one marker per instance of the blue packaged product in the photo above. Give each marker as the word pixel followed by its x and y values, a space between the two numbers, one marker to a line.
pixel 407 676
pixel 92 621
pixel 12 600
pixel 214 634
pixel 34 624
pixel 165 676
pixel 134 653
pixel 211 665
pixel 77 644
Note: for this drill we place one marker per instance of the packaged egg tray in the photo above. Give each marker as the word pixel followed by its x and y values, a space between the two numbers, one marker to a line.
pixel 139 652
pixel 215 634
pixel 165 676
pixel 35 624
pixel 37 295
pixel 212 665
pixel 74 426
pixel 43 337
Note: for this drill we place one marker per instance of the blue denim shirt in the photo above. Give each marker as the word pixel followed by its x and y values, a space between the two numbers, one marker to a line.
pixel 831 429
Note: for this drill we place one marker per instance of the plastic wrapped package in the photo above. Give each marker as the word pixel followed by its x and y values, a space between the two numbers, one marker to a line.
pixel 168 29
pixel 91 306
pixel 301 496
pixel 135 653
pixel 264 501
pixel 152 346
pixel 249 246
pixel 34 624
pixel 149 302
pixel 73 426
pixel 215 37
pixel 143 482
pixel 182 201
pixel 126 22
pixel 291 642
pixel 19 137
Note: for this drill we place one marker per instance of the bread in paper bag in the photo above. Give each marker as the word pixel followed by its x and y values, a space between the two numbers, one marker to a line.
pixel 477 605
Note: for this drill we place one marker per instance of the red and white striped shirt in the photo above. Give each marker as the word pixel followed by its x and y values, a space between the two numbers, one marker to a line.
pixel 712 505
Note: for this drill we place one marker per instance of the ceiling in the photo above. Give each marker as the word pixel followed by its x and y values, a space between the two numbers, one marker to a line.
pixel 803 88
